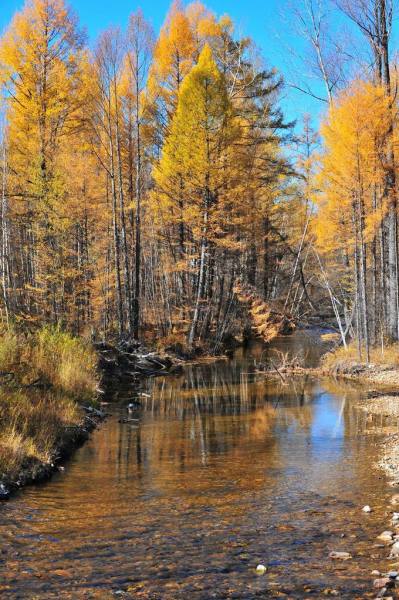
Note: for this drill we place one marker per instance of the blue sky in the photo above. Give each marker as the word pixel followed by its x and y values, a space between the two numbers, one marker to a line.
pixel 263 20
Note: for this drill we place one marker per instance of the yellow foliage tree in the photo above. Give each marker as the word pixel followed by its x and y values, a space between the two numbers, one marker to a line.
pixel 352 178
pixel 40 57
pixel 194 162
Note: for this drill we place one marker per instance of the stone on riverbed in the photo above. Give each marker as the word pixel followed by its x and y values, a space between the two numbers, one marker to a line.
pixel 4 492
pixel 261 569
pixel 367 509
pixel 381 583
pixel 395 519
pixel 394 550
pixel 386 536
pixel 340 555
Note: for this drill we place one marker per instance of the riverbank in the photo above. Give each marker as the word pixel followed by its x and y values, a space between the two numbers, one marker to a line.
pixel 25 468
pixel 382 397
pixel 380 378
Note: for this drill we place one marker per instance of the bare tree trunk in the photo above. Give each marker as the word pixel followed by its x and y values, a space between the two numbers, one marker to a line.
pixel 137 271
pixel 4 235
pixel 122 215
pixel 116 235
pixel 201 274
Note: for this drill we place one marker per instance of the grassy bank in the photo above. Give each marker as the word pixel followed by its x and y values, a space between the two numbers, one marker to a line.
pixel 43 377
pixel 381 370
pixel 343 359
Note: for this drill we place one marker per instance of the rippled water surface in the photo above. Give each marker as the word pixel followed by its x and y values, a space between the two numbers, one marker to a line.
pixel 222 471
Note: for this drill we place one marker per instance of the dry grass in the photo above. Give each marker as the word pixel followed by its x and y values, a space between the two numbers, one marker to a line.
pixel 33 423
pixel 53 356
pixel 344 358
pixel 10 349
pixel 330 337
pixel 31 428
pixel 68 363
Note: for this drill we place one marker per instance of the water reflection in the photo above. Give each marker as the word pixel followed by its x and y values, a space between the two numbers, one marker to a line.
pixel 223 470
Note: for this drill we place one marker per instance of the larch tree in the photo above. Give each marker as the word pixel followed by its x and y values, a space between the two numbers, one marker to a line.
pixel 350 213
pixel 174 56
pixel 40 73
pixel 374 19
pixel 141 180
pixel 140 44
pixel 192 161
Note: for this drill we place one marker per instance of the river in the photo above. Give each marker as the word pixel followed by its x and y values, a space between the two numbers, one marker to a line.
pixel 223 470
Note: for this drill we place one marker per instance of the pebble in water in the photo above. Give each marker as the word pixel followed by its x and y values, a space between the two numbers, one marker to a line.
pixel 386 536
pixel 4 491
pixel 395 519
pixel 261 569
pixel 367 509
pixel 340 555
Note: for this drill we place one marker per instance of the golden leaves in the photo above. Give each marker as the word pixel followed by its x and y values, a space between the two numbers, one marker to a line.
pixel 352 165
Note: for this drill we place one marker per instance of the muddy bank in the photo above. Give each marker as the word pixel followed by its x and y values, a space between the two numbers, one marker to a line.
pixel 128 362
pixel 382 376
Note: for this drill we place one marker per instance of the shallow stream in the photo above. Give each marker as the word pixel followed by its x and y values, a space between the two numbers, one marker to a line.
pixel 223 470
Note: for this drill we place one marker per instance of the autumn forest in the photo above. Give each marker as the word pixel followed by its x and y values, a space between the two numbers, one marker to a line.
pixel 151 185
pixel 199 299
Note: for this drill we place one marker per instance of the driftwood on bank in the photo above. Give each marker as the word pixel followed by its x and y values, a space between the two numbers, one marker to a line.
pixel 127 362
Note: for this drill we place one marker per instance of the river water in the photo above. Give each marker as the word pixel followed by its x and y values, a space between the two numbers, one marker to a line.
pixel 222 471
